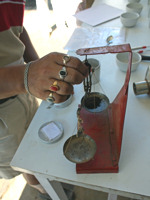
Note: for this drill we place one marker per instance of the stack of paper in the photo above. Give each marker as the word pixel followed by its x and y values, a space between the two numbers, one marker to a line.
pixel 98 14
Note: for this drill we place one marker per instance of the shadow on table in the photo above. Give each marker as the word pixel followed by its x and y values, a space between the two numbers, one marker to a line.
pixel 81 194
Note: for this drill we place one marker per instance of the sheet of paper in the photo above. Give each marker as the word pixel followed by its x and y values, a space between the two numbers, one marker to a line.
pixel 98 14
pixel 94 37
pixel 51 131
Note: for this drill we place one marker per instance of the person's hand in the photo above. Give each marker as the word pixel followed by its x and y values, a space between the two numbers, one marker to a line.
pixel 44 77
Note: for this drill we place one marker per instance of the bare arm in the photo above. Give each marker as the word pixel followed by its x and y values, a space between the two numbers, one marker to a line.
pixel 11 81
pixel 30 53
pixel 12 78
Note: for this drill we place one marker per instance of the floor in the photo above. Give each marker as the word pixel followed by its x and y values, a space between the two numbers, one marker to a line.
pixel 38 23
pixel 17 189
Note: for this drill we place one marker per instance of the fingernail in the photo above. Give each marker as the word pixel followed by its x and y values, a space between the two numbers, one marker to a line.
pixel 54 88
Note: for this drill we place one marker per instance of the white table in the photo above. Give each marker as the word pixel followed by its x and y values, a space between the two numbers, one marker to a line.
pixel 49 165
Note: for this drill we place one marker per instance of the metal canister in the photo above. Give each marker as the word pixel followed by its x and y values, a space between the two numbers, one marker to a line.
pixel 142 87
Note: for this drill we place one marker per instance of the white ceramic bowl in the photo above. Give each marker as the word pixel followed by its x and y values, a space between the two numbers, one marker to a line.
pixel 134 1
pixel 122 60
pixel 64 104
pixel 134 7
pixel 129 19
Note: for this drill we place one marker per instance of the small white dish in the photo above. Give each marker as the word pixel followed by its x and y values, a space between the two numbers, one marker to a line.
pixel 64 104
pixel 122 60
pixel 129 19
pixel 51 132
pixel 134 7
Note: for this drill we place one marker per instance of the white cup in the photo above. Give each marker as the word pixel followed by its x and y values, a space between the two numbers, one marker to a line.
pixel 64 104
pixel 129 19
pixel 95 66
pixel 134 7
pixel 122 60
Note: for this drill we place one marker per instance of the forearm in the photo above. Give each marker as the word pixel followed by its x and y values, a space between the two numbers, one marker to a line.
pixel 12 81
pixel 30 53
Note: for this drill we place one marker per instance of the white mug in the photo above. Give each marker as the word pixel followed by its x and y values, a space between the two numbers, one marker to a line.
pixel 64 104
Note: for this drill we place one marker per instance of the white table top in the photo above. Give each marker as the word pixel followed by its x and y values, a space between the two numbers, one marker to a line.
pixel 35 156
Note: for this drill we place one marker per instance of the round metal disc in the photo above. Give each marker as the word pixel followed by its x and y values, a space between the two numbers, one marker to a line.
pixel 79 149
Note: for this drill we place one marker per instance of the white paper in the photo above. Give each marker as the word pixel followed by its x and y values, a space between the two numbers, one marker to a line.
pixel 98 14
pixel 94 37
pixel 51 131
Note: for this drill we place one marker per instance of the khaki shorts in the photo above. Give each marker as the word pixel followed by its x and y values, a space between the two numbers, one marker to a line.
pixel 15 117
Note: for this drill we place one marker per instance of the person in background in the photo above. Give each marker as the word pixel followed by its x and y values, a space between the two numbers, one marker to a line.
pixel 23 77
pixel 84 4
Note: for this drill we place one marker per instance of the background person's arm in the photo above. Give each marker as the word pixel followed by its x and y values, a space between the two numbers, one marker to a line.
pixel 12 78
pixel 30 53
pixel 11 81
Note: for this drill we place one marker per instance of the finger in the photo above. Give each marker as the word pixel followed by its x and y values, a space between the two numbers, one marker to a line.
pixel 46 84
pixel 76 64
pixel 60 87
pixel 73 62
pixel 54 97
pixel 72 76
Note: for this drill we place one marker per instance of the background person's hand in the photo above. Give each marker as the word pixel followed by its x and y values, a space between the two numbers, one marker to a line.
pixel 44 78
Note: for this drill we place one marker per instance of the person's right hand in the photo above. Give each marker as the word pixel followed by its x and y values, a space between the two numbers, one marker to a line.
pixel 43 73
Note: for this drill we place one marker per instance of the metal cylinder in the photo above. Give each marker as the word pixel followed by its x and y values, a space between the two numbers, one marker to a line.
pixel 142 87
